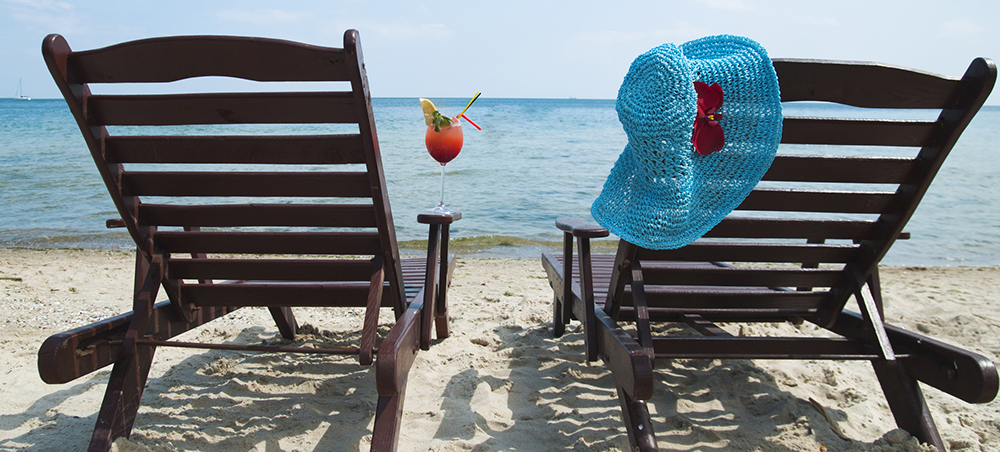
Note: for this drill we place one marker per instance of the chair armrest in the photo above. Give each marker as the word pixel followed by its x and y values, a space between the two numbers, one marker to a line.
pixel 583 231
pixel 439 218
pixel 580 228
pixel 437 275
pixel 398 350
pixel 966 375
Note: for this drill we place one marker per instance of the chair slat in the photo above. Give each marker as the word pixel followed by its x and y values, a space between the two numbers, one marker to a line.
pixel 721 315
pixel 784 228
pixel 340 294
pixel 817 201
pixel 860 132
pixel 227 108
pixel 294 149
pixel 351 243
pixel 243 215
pixel 654 274
pixel 761 348
pixel 271 269
pixel 865 170
pixel 754 252
pixel 143 61
pixel 233 183
pixel 699 298
pixel 860 84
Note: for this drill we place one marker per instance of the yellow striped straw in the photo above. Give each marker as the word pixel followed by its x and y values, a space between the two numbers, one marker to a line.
pixel 470 104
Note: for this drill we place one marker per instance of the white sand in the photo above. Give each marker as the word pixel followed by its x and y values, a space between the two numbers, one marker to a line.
pixel 501 382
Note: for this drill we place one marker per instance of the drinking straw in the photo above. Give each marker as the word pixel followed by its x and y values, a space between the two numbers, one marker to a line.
pixel 470 122
pixel 470 104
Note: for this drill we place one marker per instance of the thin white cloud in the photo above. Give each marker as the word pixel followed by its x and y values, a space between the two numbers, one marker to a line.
pixel 42 5
pixel 822 21
pixel 43 14
pixel 677 34
pixel 608 37
pixel 261 16
pixel 960 28
pixel 726 5
pixel 398 30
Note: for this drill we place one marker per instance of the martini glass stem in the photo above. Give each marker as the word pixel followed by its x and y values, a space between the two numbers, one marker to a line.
pixel 442 184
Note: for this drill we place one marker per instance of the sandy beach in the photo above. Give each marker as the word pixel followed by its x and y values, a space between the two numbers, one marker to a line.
pixel 500 382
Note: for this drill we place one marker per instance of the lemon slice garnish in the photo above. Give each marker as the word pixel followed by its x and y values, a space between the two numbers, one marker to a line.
pixel 429 110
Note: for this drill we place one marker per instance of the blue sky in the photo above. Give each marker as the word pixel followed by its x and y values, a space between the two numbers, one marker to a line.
pixel 515 48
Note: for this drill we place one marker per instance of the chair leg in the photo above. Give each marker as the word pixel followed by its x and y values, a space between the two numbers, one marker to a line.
pixel 385 435
pixel 587 295
pixel 129 374
pixel 441 325
pixel 907 403
pixel 876 287
pixel 558 327
pixel 635 414
pixel 285 320
pixel 121 400
pixel 903 393
pixel 372 305
pixel 441 310
pixel 562 309
pixel 431 287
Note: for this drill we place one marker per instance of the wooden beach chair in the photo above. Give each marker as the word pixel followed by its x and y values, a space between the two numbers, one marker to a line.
pixel 803 243
pixel 226 216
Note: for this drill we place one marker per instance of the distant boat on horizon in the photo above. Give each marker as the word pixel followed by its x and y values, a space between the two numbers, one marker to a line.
pixel 19 94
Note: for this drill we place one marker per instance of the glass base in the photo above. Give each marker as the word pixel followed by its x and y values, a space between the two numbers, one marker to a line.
pixel 441 209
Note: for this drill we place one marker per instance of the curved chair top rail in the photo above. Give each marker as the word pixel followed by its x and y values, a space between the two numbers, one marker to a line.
pixel 149 60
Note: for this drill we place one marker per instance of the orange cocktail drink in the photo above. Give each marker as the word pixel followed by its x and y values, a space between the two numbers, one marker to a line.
pixel 444 142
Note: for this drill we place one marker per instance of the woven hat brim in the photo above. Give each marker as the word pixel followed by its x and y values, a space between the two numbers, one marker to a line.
pixel 661 194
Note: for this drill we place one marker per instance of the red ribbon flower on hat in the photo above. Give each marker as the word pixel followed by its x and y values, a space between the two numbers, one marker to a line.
pixel 708 136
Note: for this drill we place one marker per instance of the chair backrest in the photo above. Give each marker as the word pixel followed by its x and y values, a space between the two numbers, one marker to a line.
pixel 825 207
pixel 227 177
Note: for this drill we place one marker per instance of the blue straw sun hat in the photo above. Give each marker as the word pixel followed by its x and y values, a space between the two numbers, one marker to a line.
pixel 663 193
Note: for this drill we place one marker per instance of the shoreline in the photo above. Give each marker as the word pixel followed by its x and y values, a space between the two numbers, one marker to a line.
pixel 500 382
pixel 486 247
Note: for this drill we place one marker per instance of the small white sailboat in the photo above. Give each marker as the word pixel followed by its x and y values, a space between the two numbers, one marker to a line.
pixel 19 94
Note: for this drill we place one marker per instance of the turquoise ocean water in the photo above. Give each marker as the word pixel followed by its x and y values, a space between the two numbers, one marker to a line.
pixel 534 160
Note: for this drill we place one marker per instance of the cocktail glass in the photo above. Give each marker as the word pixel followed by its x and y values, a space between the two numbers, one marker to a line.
pixel 444 143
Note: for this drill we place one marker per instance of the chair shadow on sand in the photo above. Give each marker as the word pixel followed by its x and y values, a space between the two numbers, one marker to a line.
pixel 230 400
pixel 238 400
pixel 579 402
pixel 572 396
pixel 253 398
pixel 44 412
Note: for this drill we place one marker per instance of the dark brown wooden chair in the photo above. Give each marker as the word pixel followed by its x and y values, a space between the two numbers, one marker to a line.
pixel 292 211
pixel 799 247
